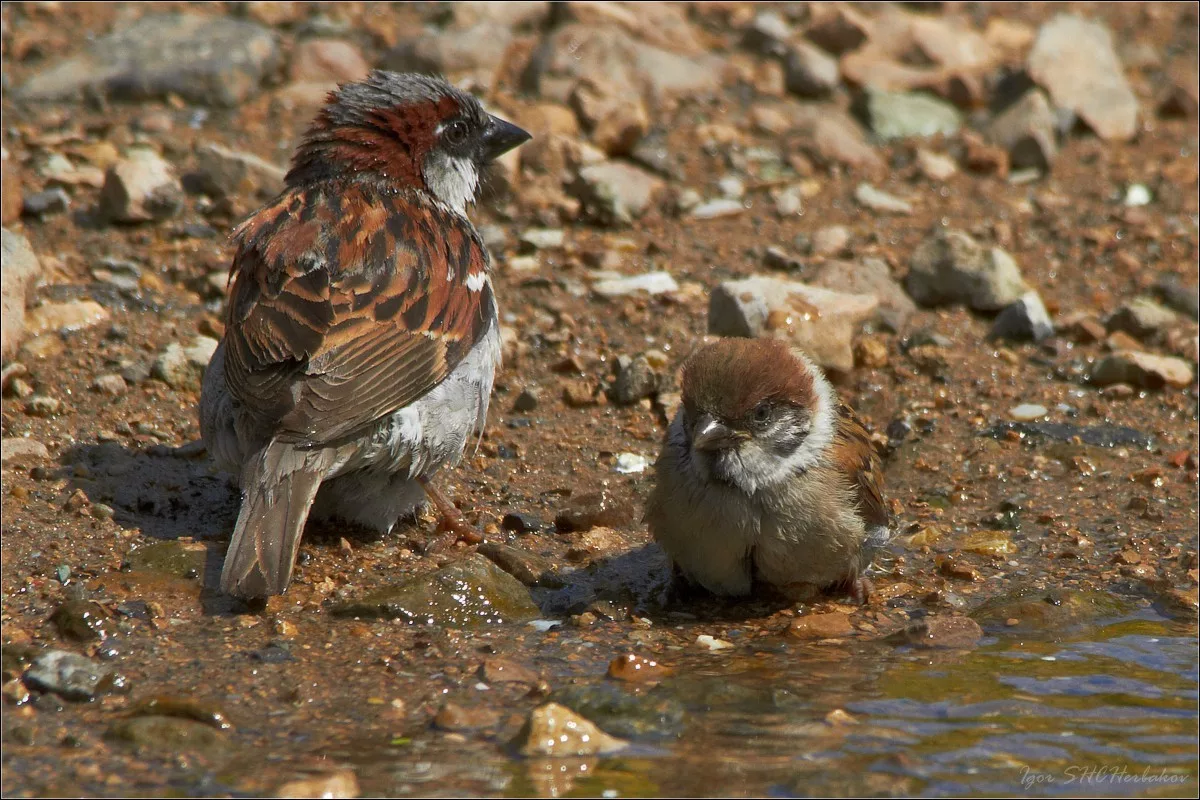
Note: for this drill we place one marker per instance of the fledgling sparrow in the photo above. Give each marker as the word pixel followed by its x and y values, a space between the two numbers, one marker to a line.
pixel 361 334
pixel 765 476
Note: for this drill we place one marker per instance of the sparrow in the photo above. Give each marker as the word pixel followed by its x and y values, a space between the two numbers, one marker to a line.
pixel 361 332
pixel 766 477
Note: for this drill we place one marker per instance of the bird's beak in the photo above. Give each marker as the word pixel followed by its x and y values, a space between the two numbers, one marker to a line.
pixel 500 137
pixel 713 435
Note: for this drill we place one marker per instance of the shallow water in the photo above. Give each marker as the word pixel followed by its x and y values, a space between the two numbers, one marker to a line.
pixel 1109 710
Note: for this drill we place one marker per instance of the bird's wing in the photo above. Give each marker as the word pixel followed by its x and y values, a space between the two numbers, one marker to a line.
pixel 347 304
pixel 855 454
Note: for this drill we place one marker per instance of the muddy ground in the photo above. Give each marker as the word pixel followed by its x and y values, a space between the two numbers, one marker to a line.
pixel 1067 534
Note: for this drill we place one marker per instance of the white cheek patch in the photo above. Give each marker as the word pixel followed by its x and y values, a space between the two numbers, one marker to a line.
pixel 454 181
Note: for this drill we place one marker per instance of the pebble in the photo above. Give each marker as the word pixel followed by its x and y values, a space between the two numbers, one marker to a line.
pixel 1137 195
pixel 224 172
pixel 816 627
pixel 1074 60
pixel 767 34
pixel 454 717
pixel 182 367
pixel 542 238
pixel 41 405
pixel 951 267
pixel 342 783
pixel 615 121
pixel 1027 129
pixel 821 321
pixel 870 276
pixel 142 187
pixel 556 731
pixel 633 668
pixel 1184 299
pixel 529 568
pixel 936 166
pixel 45 203
pixel 614 193
pixel 1026 319
pixel 610 284
pixel 327 61
pixel 526 401
pixel 721 207
pixel 170 736
pixel 709 642
pixel 955 632
pixel 832 240
pixel 630 463
pixel 20 450
pixel 900 115
pixel 65 317
pixel 809 71
pixel 1028 412
pixel 71 676
pixel 502 670
pixel 1145 370
pixel 635 379
pixel 591 510
pixel 876 200
pixel 1141 318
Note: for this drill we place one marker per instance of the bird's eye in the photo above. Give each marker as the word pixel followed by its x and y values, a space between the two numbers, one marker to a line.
pixel 455 133
pixel 762 413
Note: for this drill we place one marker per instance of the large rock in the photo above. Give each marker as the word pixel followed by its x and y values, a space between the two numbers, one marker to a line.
pixel 207 59
pixel 1074 59
pixel 820 321
pixel 951 267
pixel 471 593
pixel 21 272
pixel 142 187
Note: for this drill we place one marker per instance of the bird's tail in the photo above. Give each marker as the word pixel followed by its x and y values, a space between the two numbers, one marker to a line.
pixel 279 484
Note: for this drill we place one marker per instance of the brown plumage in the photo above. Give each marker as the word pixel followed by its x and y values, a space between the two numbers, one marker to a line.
pixel 361 330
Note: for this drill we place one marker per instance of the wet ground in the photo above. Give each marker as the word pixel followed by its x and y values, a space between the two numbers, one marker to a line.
pixel 1033 628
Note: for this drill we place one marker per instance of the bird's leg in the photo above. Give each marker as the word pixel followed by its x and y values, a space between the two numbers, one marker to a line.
pixel 859 588
pixel 450 520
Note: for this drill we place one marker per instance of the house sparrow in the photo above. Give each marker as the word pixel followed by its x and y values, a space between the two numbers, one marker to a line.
pixel 361 335
pixel 765 476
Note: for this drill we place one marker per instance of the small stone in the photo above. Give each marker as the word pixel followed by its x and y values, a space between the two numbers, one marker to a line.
pixel 816 627
pixel 71 676
pixel 1028 412
pixel 635 378
pixel 1184 299
pixel 1027 130
pixel 608 284
pixel 169 736
pixel 832 240
pixel 709 642
pixel 935 166
pixel 810 72
pixel 528 568
pixel 110 384
pixel 721 207
pixel 65 317
pixel 614 193
pixel 876 200
pixel 1137 195
pixel 1026 319
pixel 1142 318
pixel 501 670
pixel 821 321
pixel 767 34
pixel 542 238
pixel 1074 60
pixel 788 200
pixel 526 401
pixel 327 61
pixel 182 368
pixel 224 173
pixel 633 668
pixel 557 731
pixel 839 29
pixel 453 717
pixel 595 509
pixel 341 783
pixel 900 115
pixel 40 405
pixel 870 276
pixel 1142 369
pixel 870 352
pixel 22 450
pixel 1083 328
pixel 630 463
pixel 950 267
pixel 140 188
pixel 615 121
pixel 45 203
pixel 937 632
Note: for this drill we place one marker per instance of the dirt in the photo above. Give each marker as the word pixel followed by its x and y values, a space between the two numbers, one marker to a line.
pixel 1073 557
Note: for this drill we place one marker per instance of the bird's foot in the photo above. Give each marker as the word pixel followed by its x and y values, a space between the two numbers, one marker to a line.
pixel 451 524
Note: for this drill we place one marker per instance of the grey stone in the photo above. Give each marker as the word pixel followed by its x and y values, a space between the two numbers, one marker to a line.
pixel 21 272
pixel 951 267
pixel 1184 299
pixel 71 676
pixel 821 321
pixel 613 193
pixel 609 284
pixel 1025 319
pixel 1145 370
pixel 767 34
pixel 878 200
pixel 1027 130
pixel 1074 59
pixel 809 71
pixel 899 115
pixel 476 51
pixel 635 379
pixel 207 59
pixel 870 276
pixel 225 172
pixel 1142 317
pixel 45 203
pixel 183 367
pixel 142 187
